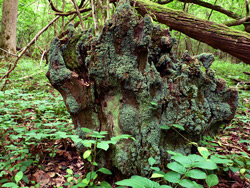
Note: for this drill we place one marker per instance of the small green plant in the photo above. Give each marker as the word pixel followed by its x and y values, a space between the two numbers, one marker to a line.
pixel 94 145
pixel 184 170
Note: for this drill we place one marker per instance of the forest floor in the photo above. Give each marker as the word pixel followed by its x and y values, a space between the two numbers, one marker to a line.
pixel 36 149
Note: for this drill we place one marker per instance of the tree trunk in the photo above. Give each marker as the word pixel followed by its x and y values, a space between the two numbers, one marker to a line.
pixel 9 26
pixel 236 43
pixel 128 81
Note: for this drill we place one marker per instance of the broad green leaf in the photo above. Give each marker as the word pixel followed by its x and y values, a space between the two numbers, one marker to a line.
pixel 138 182
pixel 183 160
pixel 179 127
pixel 157 175
pixel 195 158
pixel 103 145
pixel 105 184
pixel 208 165
pixel 204 152
pixel 105 171
pixel 218 160
pixel 86 154
pixel 91 176
pixel 196 174
pixel 10 184
pixel 165 127
pixel 87 143
pixel 69 179
pixel 155 168
pixel 234 169
pixel 177 167
pixel 189 184
pixel 165 186
pixel 18 176
pixel 242 171
pixel 69 171
pixel 172 152
pixel 212 180
pixel 81 184
pixel 172 177
pixel 151 161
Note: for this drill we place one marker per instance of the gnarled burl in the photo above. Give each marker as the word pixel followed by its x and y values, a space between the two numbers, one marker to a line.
pixel 127 81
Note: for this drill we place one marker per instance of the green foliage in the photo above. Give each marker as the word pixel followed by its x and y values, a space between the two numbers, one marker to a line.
pixel 97 142
pixel 183 171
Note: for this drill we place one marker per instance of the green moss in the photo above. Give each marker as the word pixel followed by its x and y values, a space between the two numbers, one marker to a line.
pixel 72 104
pixel 136 85
pixel 128 119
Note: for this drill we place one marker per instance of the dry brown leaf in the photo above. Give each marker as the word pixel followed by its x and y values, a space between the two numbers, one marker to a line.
pixel 41 177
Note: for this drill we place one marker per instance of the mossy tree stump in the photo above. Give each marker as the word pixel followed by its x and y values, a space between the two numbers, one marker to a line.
pixel 127 81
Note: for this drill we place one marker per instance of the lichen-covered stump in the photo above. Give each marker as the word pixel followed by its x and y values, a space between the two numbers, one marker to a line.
pixel 127 81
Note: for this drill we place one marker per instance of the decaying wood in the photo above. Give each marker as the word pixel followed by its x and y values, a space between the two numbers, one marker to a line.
pixel 127 81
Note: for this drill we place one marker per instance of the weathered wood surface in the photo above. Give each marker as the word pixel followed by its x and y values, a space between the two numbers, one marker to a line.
pixel 127 81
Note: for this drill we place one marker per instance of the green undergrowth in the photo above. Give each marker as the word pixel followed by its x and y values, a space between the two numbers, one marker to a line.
pixel 231 72
pixel 33 115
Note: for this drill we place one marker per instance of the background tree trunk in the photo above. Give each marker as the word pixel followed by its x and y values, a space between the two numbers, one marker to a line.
pixel 9 26
pixel 128 81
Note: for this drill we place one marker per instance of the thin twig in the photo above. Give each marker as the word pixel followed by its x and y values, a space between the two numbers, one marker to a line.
pixel 78 13
pixel 42 59
pixel 93 15
pixel 8 52
pixel 25 77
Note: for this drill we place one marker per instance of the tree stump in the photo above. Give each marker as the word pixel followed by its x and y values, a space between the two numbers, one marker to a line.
pixel 128 81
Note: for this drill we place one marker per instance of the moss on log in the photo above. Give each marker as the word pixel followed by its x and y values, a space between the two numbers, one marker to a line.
pixel 128 81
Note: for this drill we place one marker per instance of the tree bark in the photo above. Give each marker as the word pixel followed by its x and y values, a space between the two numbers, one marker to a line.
pixel 9 26
pixel 236 43
pixel 128 81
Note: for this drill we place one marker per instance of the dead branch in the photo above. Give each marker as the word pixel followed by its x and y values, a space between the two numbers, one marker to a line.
pixel 237 22
pixel 53 7
pixel 73 12
pixel 11 68
pixel 78 13
pixel 214 7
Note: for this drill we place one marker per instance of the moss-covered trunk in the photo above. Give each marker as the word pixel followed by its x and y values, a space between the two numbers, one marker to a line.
pixel 127 81
pixel 234 42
